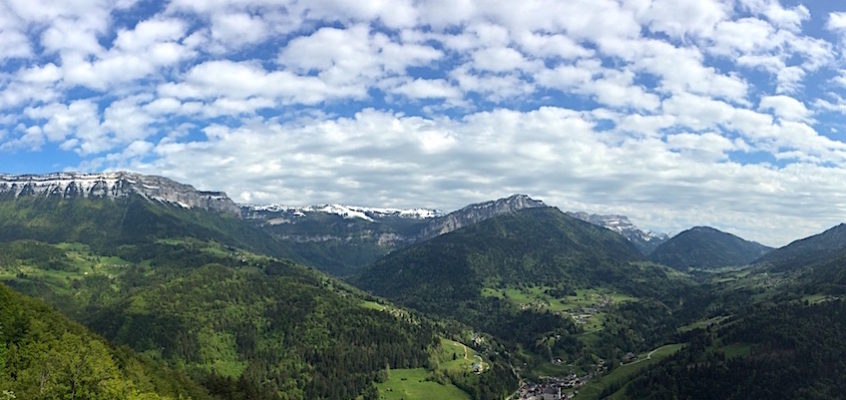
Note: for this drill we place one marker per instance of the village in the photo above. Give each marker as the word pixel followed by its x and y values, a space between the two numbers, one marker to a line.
pixel 567 387
pixel 554 388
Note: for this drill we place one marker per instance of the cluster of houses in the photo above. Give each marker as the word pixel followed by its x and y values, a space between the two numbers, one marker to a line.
pixel 582 315
pixel 555 388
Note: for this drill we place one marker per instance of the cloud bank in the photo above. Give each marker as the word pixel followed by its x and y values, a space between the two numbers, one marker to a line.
pixel 676 113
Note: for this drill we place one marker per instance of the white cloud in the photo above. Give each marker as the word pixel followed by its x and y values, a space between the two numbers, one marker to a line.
pixel 836 21
pixel 671 95
pixel 681 18
pixel 238 29
pixel 245 80
pixel 352 58
pixel 427 88
pixel 499 59
pixel 785 107
pixel 552 46
pixel 501 152
pixel 787 18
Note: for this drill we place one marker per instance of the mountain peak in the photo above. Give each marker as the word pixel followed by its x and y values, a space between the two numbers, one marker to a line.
pixel 475 213
pixel 645 241
pixel 826 245
pixel 118 184
pixel 707 247
pixel 514 202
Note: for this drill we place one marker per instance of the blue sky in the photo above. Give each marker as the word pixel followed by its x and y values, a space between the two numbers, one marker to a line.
pixel 673 112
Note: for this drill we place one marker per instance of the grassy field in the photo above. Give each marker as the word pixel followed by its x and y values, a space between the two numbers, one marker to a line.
pixel 84 265
pixel 464 357
pixel 624 373
pixel 372 305
pixel 411 384
pixel 538 298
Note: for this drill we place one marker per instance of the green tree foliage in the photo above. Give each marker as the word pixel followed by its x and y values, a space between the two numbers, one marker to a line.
pixel 106 224
pixel 796 351
pixel 705 247
pixel 245 326
pixel 542 246
pixel 44 356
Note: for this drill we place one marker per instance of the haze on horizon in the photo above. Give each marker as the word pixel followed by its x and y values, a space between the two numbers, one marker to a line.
pixel 673 112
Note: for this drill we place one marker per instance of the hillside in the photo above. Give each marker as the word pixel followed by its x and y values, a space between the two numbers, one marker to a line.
pixel 126 223
pixel 200 290
pixel 782 351
pixel 44 355
pixel 534 246
pixel 244 325
pixel 525 276
pixel 808 251
pixel 705 247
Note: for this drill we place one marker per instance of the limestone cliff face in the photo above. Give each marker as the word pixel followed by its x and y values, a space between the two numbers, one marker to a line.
pixel 476 213
pixel 115 185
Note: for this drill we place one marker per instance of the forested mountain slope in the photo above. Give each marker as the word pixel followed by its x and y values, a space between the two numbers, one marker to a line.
pixel 706 247
pixel 524 277
pixel 43 355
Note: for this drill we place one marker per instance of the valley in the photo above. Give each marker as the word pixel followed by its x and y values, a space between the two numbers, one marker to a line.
pixel 509 299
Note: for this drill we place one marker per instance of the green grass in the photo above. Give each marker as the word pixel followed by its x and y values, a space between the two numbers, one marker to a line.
pixel 465 357
pixel 702 324
pixel 625 373
pixel 372 305
pixel 411 384
pixel 536 296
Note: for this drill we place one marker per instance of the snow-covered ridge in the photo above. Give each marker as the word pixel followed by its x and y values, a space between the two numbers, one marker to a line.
pixel 348 212
pixel 115 185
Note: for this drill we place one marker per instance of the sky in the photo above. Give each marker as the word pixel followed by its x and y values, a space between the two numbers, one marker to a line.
pixel 674 112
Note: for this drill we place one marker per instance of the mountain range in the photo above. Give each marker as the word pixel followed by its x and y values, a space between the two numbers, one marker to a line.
pixel 182 292
pixel 115 185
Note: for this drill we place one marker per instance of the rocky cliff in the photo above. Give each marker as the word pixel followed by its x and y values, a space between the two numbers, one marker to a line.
pixel 115 185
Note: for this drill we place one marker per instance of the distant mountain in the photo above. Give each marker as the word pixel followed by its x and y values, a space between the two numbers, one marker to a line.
pixel 114 185
pixel 539 245
pixel 484 274
pixel 814 264
pixel 476 213
pixel 646 242
pixel 342 239
pixel 280 214
pixel 122 211
pixel 706 247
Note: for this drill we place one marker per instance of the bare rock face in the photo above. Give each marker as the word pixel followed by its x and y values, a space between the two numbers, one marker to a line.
pixel 645 241
pixel 476 213
pixel 116 185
